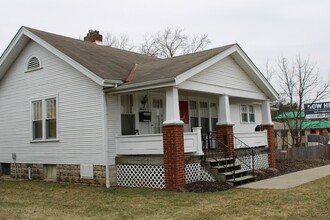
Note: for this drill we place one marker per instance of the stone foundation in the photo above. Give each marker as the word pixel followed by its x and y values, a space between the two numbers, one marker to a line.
pixel 64 173
pixel 21 171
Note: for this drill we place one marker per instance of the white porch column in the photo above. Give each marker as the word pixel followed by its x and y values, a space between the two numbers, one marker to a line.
pixel 172 106
pixel 266 115
pixel 224 111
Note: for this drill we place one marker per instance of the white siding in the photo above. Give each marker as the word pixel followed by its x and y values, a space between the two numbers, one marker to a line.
pixel 241 127
pixel 79 112
pixel 225 76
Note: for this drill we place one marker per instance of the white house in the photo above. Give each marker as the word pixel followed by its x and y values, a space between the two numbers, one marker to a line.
pixel 74 110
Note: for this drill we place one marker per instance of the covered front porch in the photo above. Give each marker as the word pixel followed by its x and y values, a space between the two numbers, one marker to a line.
pixel 170 130
pixel 143 115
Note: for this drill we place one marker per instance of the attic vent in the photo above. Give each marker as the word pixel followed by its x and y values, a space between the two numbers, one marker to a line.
pixel 33 64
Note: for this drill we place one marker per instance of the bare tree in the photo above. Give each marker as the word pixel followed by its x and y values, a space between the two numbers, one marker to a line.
pixel 300 84
pixel 268 71
pixel 172 42
pixel 121 42
pixel 149 46
pixel 197 43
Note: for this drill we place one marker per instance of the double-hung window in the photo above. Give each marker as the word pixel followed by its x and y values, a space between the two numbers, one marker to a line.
pixel 44 119
pixel 247 113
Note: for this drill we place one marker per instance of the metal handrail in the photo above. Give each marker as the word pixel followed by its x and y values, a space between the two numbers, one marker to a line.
pixel 216 154
pixel 246 148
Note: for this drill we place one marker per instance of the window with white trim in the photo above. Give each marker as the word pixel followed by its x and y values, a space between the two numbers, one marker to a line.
pixel 247 113
pixel 44 119
pixel 193 112
pixel 33 64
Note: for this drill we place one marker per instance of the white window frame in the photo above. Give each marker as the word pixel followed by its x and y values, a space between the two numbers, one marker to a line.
pixel 43 99
pixel 198 100
pixel 190 111
pixel 248 113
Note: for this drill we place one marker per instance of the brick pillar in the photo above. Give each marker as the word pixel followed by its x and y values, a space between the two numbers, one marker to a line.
pixel 174 164
pixel 271 144
pixel 225 135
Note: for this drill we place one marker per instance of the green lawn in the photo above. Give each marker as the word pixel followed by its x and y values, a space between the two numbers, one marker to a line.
pixel 42 200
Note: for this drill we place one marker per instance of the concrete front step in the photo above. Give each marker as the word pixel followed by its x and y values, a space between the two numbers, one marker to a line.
pixel 237 172
pixel 213 160
pixel 241 180
pixel 222 169
pixel 231 167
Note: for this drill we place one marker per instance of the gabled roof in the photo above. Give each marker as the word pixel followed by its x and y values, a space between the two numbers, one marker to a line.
pixel 109 66
pixel 172 67
pixel 106 62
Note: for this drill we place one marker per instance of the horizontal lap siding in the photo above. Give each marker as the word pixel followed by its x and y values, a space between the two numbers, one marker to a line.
pixel 240 127
pixel 230 78
pixel 79 116
pixel 228 74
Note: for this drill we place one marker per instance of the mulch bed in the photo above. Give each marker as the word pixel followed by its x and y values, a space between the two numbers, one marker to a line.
pixel 282 167
pixel 207 187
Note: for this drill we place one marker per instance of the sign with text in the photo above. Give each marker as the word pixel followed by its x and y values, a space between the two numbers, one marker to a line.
pixel 317 110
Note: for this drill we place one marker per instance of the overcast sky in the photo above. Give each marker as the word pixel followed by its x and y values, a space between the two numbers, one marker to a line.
pixel 265 29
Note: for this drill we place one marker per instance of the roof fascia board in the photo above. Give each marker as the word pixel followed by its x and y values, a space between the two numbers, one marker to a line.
pixel 155 84
pixel 65 58
pixel 12 51
pixel 193 71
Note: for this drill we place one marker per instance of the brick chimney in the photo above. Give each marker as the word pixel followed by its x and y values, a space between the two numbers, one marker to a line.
pixel 93 36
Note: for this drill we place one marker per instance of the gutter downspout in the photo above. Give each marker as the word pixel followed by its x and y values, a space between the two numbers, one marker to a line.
pixel 105 140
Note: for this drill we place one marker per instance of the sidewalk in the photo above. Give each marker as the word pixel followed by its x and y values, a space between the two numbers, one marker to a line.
pixel 290 180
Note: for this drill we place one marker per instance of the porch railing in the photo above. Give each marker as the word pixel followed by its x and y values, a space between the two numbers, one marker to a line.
pixel 152 144
pixel 251 139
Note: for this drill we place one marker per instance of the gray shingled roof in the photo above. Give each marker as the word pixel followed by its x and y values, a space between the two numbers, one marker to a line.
pixel 116 64
pixel 172 67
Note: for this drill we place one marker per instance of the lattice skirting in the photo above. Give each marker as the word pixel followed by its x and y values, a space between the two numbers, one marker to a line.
pixel 152 176
pixel 195 173
pixel 260 161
